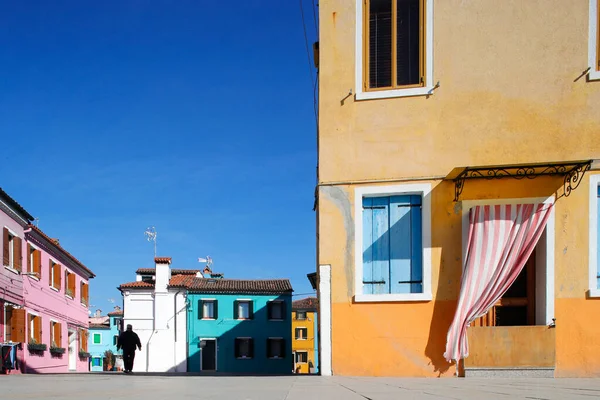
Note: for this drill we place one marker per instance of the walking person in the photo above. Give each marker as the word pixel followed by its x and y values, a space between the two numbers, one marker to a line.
pixel 128 341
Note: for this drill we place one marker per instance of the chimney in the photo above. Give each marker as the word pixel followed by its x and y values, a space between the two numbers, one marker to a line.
pixel 98 313
pixel 117 308
pixel 162 274
pixel 162 305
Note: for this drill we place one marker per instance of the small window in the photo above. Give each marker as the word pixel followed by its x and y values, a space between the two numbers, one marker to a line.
pixel 97 338
pixel 35 329
pixel 275 348
pixel 11 253
pixel 34 261
pixel 54 275
pixel 208 309
pixel 301 357
pixel 244 348
pixel 301 333
pixel 96 362
pixel 243 309
pixel 275 310
pixel 70 284
pixel 301 315
pixel 84 290
pixel 394 44
pixel 55 334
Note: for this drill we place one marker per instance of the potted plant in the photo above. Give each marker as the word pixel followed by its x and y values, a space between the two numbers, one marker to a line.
pixel 69 293
pixel 55 350
pixel 84 354
pixel 110 359
pixel 33 346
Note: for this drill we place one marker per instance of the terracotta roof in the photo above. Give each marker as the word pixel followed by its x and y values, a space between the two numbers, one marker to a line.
pixel 181 281
pixel 13 203
pixel 99 326
pixel 174 271
pixel 55 243
pixel 241 286
pixel 162 260
pixel 309 303
pixel 115 313
pixel 136 285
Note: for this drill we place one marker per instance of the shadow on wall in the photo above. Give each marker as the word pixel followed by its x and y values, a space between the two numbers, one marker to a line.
pixel 226 330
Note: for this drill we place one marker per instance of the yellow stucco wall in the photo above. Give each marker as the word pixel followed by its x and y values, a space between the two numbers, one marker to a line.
pixel 507 96
pixel 307 344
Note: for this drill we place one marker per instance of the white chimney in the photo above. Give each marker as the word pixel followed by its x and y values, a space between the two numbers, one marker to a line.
pixel 162 274
pixel 162 306
pixel 98 313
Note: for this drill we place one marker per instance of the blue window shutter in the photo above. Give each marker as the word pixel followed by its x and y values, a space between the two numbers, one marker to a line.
pixel 376 245
pixel 406 244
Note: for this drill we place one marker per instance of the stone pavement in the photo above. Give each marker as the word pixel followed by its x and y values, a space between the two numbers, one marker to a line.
pixel 150 387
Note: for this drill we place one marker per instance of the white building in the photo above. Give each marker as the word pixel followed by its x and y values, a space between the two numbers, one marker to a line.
pixel 155 305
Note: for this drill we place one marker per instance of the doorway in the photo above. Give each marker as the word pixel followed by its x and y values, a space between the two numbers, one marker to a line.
pixel 72 351
pixel 208 359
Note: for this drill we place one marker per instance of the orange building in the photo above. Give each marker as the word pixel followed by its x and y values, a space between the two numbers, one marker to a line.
pixel 429 111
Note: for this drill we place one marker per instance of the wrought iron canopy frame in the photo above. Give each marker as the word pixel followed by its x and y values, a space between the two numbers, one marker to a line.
pixel 572 173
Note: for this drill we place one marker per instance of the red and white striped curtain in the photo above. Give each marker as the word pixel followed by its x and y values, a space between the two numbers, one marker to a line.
pixel 501 239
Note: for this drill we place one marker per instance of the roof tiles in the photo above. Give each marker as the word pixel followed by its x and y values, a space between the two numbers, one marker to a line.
pixel 309 303
pixel 258 286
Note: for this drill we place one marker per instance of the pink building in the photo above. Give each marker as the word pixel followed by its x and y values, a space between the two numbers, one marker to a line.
pixel 44 297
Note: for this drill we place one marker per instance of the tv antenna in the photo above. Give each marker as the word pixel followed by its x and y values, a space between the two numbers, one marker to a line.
pixel 151 234
pixel 206 260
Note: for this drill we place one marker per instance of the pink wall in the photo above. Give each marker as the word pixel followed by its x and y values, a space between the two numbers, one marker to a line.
pixel 11 283
pixel 52 305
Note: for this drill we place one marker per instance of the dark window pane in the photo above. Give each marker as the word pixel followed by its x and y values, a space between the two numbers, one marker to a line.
pixel 407 44
pixel 380 43
pixel 511 316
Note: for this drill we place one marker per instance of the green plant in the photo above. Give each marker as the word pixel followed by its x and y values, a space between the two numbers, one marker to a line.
pixel 34 346
pixel 110 357
pixel 69 292
pixel 84 354
pixel 57 350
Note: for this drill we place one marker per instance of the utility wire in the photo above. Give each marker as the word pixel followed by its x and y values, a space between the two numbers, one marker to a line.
pixel 312 80
pixel 315 18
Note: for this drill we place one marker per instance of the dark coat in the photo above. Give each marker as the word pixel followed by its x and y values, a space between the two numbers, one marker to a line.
pixel 128 341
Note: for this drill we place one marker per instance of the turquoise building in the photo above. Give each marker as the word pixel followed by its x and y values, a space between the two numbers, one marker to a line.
pixel 240 326
pixel 103 337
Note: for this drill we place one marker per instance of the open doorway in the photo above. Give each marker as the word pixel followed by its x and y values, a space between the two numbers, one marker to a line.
pixel 208 359
pixel 72 350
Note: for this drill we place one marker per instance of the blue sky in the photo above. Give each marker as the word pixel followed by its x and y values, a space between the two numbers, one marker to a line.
pixel 190 116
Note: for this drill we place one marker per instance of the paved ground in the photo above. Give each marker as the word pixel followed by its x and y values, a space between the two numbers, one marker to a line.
pixel 109 386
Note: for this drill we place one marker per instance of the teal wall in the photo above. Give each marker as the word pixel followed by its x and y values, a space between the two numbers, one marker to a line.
pixel 107 343
pixel 225 329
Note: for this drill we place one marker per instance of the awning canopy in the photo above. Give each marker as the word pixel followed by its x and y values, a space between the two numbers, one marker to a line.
pixel 571 171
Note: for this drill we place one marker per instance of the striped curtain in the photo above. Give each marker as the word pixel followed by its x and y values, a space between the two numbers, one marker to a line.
pixel 501 239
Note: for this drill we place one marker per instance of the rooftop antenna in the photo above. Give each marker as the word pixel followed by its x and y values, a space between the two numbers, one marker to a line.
pixel 36 221
pixel 151 236
pixel 206 260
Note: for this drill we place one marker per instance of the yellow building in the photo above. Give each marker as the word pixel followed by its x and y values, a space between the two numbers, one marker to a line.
pixel 430 110
pixel 304 328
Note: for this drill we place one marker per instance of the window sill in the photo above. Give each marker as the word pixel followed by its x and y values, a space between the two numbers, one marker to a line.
pixel 244 358
pixel 276 358
pixel 243 319
pixel 276 320
pixel 35 278
pixel 383 298
pixel 385 94
pixel 593 294
pixel 68 297
pixel 208 319
pixel 11 269
pixel 55 289
pixel 594 75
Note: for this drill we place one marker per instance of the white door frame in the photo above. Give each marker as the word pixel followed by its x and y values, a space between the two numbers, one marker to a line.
pixel 202 353
pixel 72 350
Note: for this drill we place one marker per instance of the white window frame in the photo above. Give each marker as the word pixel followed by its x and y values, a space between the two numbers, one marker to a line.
pixel 593 40
pixel 593 289
pixel 30 323
pixel 96 344
pixel 31 264
pixel 361 94
pixel 280 302
pixel 282 350
pixel 4 327
pixel 420 189
pixel 212 301
pixel 11 251
pixel 52 285
pixel 240 301
pixel 52 322
pixel 302 338
pixel 296 357
pixel 69 272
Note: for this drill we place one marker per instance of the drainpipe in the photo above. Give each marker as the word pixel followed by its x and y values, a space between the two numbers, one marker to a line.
pixel 27 230
pixel 175 330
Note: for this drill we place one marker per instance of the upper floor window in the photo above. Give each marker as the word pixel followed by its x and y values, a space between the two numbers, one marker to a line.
pixel 70 284
pixel 85 293
pixel 275 310
pixel 11 246
pixel 393 260
pixel 35 328
pixel 34 261
pixel 594 40
pixel 207 309
pixel 396 36
pixel 300 315
pixel 301 333
pixel 243 309
pixel 97 338
pixel 275 348
pixel 55 334
pixel 54 274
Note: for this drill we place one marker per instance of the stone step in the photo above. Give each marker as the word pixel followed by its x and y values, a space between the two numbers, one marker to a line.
pixel 494 372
